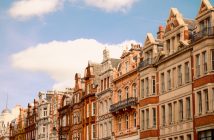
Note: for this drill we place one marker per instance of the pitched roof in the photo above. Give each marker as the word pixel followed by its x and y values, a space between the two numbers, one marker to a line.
pixel 191 23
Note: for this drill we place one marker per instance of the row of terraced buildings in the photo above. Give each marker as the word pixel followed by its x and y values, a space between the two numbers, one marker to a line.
pixel 161 90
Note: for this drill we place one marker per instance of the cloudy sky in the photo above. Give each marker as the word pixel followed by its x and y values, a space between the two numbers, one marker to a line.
pixel 44 42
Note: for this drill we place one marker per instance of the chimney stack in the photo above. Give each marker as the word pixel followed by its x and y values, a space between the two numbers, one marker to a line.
pixel 160 32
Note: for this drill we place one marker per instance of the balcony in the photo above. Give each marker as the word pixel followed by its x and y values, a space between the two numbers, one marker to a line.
pixel 144 63
pixel 42 136
pixel 209 31
pixel 64 129
pixel 132 101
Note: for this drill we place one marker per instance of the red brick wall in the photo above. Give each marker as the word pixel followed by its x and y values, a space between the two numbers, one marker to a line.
pixel 149 133
pixel 150 100
pixel 203 80
pixel 205 120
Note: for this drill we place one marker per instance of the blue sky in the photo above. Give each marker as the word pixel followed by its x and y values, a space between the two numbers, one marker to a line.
pixel 82 27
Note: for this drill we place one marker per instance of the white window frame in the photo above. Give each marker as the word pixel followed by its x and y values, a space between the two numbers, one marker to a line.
pixel 142 88
pixel 197 57
pixel 119 95
pixel 187 72
pixel 154 117
pixel 163 109
pixel 188 107
pixel 181 110
pixel 147 118
pixel 127 66
pixel 204 56
pixel 134 90
pixel 153 86
pixel 199 96
pixel 212 59
pixel 206 96
pixel 162 82
pixel 127 121
pixel 170 112
pixel 169 83
pixel 93 131
pixel 147 86
pixel 142 119
pixel 135 119
pixel 180 75
pixel 93 111
pixel 127 92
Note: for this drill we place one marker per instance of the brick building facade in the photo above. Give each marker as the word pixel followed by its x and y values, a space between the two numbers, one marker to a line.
pixel 124 106
pixel 162 90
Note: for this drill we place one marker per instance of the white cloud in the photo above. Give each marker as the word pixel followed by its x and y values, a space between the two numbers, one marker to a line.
pixel 61 60
pixel 24 9
pixel 111 5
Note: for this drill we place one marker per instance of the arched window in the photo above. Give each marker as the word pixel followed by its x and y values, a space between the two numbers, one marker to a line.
pixel 134 90
pixel 127 122
pixel 119 124
pixel 101 107
pixel 119 96
pixel 127 92
pixel 106 106
pixel 135 119
pixel 101 130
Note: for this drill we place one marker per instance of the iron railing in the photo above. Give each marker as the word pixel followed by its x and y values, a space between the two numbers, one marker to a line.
pixel 208 31
pixel 132 101
pixel 146 62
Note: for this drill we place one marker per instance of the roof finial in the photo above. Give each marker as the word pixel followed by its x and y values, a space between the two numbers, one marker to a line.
pixel 106 55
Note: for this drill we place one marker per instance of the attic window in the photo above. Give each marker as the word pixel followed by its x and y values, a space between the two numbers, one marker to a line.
pixel 172 25
pixel 127 66
pixel 135 58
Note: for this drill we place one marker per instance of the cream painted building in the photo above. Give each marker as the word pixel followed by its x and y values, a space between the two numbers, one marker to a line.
pixel 175 82
pixel 104 97
pixel 148 101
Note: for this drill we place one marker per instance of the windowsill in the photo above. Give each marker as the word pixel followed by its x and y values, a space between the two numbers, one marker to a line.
pixel 176 88
pixel 148 129
pixel 150 96
pixel 180 122
pixel 202 75
pixel 206 113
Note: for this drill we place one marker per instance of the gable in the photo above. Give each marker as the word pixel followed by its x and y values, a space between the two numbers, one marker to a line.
pixel 205 6
pixel 149 39
pixel 175 19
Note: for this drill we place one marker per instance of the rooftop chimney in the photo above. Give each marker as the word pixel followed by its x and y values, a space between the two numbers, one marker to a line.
pixel 160 32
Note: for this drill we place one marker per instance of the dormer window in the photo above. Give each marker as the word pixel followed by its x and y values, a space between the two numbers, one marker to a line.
pixel 45 111
pixel 205 24
pixel 173 43
pixel 119 96
pixel 178 38
pixel 127 92
pixel 127 66
pixel 172 25
pixel 134 90
pixel 87 88
pixel 168 46
pixel 119 70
